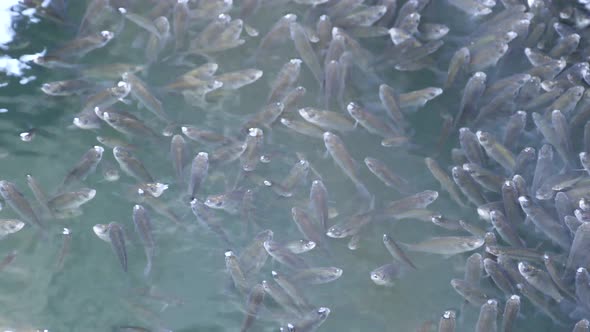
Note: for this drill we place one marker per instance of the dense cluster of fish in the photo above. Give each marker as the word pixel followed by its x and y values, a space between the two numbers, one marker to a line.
pixel 513 92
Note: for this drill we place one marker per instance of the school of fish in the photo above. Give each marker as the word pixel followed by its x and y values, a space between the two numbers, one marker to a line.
pixel 508 145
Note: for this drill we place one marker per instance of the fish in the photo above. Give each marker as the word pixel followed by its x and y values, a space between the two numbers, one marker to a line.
pixel 198 173
pixel 300 246
pixel 285 79
pixel 232 265
pixel 506 229
pixel 71 200
pixel 305 50
pixel 140 91
pixel 318 275
pixel 444 179
pixel 280 297
pixel 350 226
pixel 116 237
pixel 306 226
pixel 179 153
pixel 511 311
pixel 318 203
pixel 81 46
pixel 293 291
pixel 386 275
pixel 448 321
pixel 131 165
pixel 15 199
pixel 144 228
pixel 473 269
pixel 540 280
pixel 253 306
pixel 371 122
pixel 67 87
pixel 447 245
pixel 253 144
pixel 488 316
pixel 545 222
pixel 296 176
pixel 327 120
pixel 10 226
pixel 581 326
pixel 396 252
pixel 284 256
pixel 344 160
pixel 84 167
pixel 474 89
pixel 312 320
pixel 130 126
pixel 474 295
pixel 459 63
pixel 39 193
pixel 386 175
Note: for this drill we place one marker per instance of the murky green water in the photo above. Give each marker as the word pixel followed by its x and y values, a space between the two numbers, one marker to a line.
pixel 189 285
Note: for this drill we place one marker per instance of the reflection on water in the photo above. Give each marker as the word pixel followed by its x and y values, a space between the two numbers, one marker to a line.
pixel 176 103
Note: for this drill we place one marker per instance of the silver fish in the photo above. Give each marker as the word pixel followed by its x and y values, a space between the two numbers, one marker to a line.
pixel 305 50
pixel 326 119
pixel 143 227
pixel 447 322
pixel 386 175
pixel 131 165
pixel 284 256
pixel 396 251
pixel 293 291
pixel 540 280
pixel 447 245
pixel 233 268
pixel 199 171
pixel 511 310
pixel 253 306
pixel 318 203
pixel 15 199
pixel 140 91
pixel 386 275
pixel 488 316
pixel 71 200
pixel 84 167
pixel 318 275
pixel 116 237
pixel 10 226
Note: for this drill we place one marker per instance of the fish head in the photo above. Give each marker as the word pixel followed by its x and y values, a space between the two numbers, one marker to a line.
pixel 354 110
pixel 379 278
pixel 525 201
pixel 155 189
pixel 106 35
pixel 323 312
pixel 216 201
pixel 11 226
pixel 84 121
pixel 307 113
pixel 121 90
pixel 88 194
pixel 111 175
pixel 335 232
pixel 120 152
pixel 526 269
pixel 101 230
pixel 162 24
pixel 307 245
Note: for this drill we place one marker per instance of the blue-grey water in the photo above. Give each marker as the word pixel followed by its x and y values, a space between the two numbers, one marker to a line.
pixel 189 288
